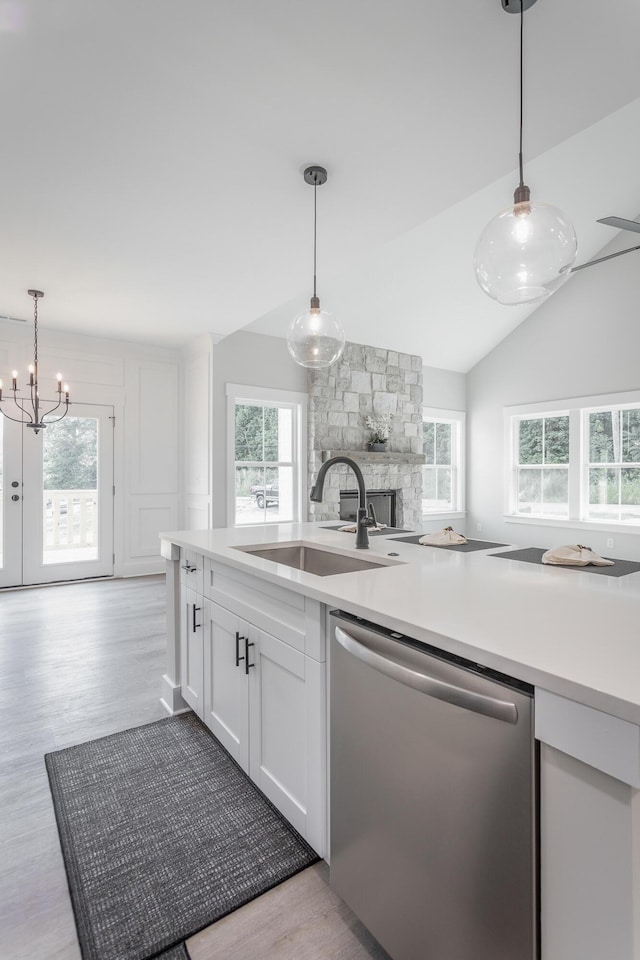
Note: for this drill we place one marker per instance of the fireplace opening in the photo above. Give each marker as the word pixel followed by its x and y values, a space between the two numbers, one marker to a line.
pixel 383 502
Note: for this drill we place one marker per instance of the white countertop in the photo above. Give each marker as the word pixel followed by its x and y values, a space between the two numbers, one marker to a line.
pixel 569 631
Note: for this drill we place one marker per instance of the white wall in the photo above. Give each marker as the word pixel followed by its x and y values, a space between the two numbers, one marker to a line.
pixel 584 340
pixel 196 440
pixel 141 383
pixel 242 357
pixel 444 389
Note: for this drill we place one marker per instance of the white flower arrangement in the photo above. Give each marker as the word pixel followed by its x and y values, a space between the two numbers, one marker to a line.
pixel 380 427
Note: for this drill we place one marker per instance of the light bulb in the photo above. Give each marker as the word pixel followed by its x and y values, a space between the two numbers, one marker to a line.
pixel 525 253
pixel 315 339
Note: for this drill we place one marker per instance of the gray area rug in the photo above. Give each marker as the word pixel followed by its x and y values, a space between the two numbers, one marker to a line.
pixel 162 834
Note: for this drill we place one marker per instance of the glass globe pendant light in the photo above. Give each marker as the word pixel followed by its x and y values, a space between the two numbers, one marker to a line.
pixel 315 338
pixel 526 252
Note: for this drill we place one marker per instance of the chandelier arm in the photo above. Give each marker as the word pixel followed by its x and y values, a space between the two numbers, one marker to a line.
pixel 15 419
pixel 51 410
pixel 57 419
pixel 24 409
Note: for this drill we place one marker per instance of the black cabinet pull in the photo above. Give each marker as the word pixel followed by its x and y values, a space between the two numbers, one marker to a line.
pixel 196 625
pixel 238 639
pixel 247 665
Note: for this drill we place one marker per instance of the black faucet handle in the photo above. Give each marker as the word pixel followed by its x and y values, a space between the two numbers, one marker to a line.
pixel 372 516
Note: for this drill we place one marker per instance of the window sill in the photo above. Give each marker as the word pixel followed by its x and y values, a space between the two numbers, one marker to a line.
pixel 612 526
pixel 452 515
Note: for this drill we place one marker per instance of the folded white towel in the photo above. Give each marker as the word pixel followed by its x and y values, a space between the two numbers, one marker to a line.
pixel 352 528
pixel 574 555
pixel 443 538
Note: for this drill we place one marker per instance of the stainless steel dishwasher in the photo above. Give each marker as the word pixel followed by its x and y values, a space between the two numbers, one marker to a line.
pixel 433 798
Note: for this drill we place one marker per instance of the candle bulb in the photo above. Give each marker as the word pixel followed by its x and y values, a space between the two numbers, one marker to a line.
pixel 31 372
pixel 66 391
pixel 0 389
pixel 14 377
pixel 59 379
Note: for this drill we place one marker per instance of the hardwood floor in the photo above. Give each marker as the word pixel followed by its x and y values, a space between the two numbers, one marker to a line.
pixel 80 661
pixel 77 661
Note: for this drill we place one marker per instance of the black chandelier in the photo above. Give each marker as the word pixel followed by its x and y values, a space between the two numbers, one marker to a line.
pixel 31 413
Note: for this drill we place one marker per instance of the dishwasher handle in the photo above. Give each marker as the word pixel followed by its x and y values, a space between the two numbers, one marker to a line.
pixel 440 689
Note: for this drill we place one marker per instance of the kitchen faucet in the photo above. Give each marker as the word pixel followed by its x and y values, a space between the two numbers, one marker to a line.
pixel 363 520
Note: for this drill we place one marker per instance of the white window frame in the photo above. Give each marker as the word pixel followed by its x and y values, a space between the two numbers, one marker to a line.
pixel 578 410
pixel 457 419
pixel 297 402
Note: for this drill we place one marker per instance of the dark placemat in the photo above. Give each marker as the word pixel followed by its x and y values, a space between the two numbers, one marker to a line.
pixel 162 833
pixel 372 533
pixel 534 555
pixel 467 547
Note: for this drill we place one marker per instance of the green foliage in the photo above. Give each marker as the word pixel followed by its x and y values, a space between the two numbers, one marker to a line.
pixel 256 433
pixel 437 442
pixel 614 436
pixel 544 440
pixel 70 454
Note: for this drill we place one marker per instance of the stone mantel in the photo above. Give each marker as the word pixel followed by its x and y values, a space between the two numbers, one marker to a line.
pixel 370 456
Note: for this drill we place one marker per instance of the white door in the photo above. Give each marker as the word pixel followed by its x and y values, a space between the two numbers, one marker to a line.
pixel 226 688
pixel 279 698
pixel 11 436
pixel 65 512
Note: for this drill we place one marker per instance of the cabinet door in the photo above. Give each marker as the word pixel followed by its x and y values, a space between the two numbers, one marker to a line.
pixel 226 688
pixel 192 650
pixel 278 699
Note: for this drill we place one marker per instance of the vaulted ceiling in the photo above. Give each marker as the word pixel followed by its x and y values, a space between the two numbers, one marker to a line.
pixel 153 154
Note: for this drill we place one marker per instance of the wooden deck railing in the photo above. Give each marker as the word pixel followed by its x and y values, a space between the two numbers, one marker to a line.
pixel 70 518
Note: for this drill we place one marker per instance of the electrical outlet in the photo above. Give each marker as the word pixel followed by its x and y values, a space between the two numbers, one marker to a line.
pixel 478 527
pixel 610 543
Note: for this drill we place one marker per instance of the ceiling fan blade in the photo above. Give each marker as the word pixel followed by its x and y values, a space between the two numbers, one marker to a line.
pixel 590 263
pixel 621 224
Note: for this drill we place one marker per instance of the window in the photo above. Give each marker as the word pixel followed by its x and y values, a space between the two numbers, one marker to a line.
pixel 265 438
pixel 613 469
pixel 443 472
pixel 579 465
pixel 542 471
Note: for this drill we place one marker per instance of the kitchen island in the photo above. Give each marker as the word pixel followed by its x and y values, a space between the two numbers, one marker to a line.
pixel 570 633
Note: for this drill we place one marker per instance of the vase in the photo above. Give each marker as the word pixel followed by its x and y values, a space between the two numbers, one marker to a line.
pixel 377 447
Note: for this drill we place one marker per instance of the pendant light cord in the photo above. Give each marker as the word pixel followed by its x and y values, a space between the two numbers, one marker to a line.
pixel 35 332
pixel 315 215
pixel 521 85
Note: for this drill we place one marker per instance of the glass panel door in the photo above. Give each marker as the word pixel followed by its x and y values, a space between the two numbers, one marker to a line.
pixel 68 497
pixel 11 436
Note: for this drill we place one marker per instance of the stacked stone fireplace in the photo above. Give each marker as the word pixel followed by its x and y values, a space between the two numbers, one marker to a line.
pixel 368 381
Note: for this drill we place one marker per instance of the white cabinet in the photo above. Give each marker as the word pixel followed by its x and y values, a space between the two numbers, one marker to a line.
pixel 252 667
pixel 264 701
pixel 192 631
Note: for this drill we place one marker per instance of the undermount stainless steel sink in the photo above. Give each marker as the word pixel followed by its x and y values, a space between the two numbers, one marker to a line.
pixel 312 559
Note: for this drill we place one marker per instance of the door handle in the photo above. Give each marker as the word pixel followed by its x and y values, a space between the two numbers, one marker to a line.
pixel 189 568
pixel 195 625
pixel 247 665
pixel 431 686
pixel 238 639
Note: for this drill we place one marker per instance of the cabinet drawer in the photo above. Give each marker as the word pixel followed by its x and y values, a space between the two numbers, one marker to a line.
pixel 294 618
